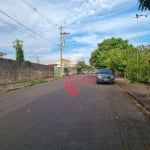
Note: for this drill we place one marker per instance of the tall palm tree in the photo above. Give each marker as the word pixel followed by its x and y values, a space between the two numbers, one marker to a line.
pixel 144 4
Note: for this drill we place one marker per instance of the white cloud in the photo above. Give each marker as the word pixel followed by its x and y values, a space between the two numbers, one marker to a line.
pixel 88 21
pixel 89 40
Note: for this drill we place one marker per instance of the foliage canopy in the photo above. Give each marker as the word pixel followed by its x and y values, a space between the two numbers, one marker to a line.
pixel 144 4
pixel 82 66
pixel 123 58
pixel 111 53
pixel 19 52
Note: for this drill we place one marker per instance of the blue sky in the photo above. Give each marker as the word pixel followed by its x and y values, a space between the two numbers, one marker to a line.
pixel 88 22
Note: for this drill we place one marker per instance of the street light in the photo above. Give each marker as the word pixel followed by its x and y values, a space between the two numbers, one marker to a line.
pixel 149 69
pixel 137 16
pixel 148 86
pixel 61 47
pixel 148 46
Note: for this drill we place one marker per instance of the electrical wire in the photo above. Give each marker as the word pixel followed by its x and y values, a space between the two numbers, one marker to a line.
pixel 8 24
pixel 15 27
pixel 23 26
pixel 42 16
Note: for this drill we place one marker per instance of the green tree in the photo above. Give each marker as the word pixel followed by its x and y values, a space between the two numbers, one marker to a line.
pixel 141 66
pixel 96 59
pixel 113 43
pixel 66 71
pixel 144 4
pixel 19 52
pixel 111 53
pixel 82 66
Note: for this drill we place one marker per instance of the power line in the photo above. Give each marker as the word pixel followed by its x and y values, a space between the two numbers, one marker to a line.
pixel 24 26
pixel 6 23
pixel 11 25
pixel 36 11
pixel 137 16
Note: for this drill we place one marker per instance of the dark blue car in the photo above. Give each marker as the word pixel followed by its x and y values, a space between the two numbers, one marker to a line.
pixel 105 76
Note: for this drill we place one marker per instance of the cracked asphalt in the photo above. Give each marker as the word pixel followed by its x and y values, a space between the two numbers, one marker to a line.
pixel 48 117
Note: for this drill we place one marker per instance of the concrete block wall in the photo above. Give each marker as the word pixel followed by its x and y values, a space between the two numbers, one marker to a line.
pixel 12 71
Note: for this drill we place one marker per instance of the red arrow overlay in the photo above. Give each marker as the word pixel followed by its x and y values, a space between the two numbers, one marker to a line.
pixel 71 89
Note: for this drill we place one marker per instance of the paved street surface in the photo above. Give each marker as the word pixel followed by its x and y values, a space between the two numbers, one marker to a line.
pixel 50 117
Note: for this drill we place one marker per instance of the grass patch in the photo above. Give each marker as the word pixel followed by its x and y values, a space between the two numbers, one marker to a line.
pixel 33 82
pixel 38 81
pixel 24 83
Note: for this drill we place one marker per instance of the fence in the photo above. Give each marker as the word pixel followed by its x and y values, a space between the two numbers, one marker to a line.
pixel 12 71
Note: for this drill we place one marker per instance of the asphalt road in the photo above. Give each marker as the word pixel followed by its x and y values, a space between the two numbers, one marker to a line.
pixel 72 114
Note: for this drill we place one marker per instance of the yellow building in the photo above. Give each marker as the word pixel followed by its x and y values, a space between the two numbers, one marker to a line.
pixel 65 64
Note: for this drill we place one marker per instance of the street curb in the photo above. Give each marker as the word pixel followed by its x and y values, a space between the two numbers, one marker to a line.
pixel 20 87
pixel 134 97
pixel 137 99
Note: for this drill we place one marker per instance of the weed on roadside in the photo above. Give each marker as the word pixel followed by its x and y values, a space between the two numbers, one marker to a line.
pixel 32 82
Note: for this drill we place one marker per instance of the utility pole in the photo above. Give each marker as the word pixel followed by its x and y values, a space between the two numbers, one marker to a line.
pixel 137 16
pixel 61 47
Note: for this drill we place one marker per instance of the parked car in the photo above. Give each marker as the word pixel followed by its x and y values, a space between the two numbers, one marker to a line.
pixel 94 73
pixel 105 76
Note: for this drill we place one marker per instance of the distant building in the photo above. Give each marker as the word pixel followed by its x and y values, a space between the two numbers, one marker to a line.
pixel 2 54
pixel 65 64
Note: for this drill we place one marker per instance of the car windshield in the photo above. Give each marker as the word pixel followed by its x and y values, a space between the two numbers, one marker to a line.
pixel 105 72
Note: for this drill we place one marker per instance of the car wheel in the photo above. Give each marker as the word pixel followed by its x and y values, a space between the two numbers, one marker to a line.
pixel 113 82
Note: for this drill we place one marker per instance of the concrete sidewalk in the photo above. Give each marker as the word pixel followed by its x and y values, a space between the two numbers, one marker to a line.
pixel 137 90
pixel 5 87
